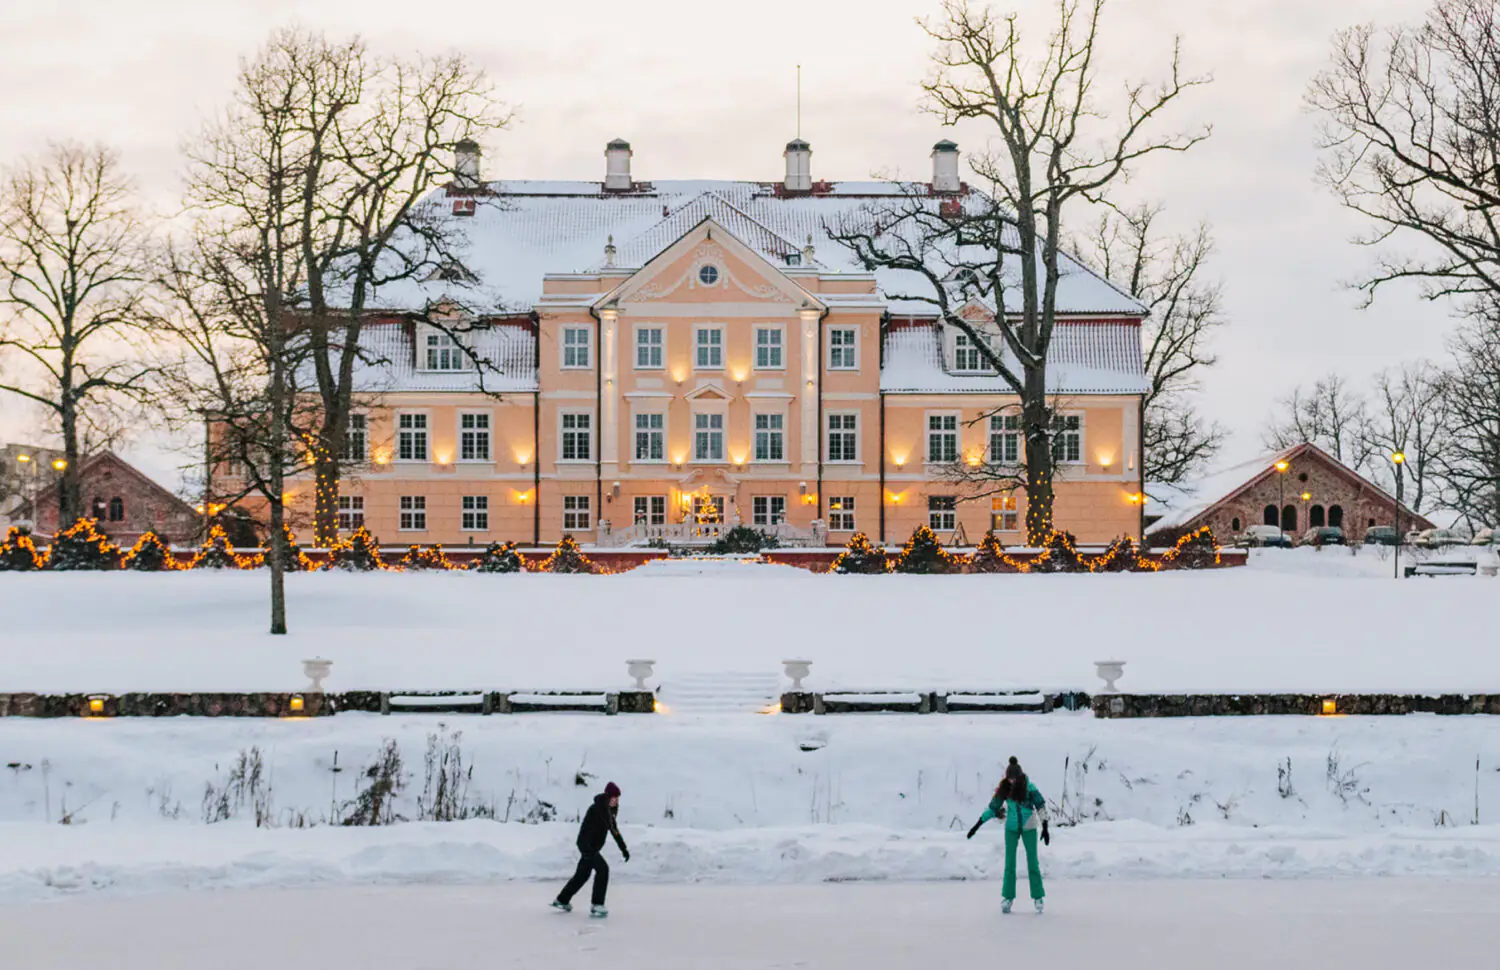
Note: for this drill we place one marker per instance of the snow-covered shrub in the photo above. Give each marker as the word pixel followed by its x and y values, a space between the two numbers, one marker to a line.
pixel 990 557
pixel 360 553
pixel 215 552
pixel 860 556
pixel 83 547
pixel 568 558
pixel 499 558
pixel 150 555
pixel 1060 555
pixel 18 552
pixel 1119 556
pixel 924 553
pixel 743 539
pixel 293 559
pixel 418 559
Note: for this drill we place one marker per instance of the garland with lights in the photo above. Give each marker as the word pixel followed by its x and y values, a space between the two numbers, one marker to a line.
pixel 990 557
pixel 924 554
pixel 499 558
pixel 293 559
pixel 216 553
pixel 18 552
pixel 1059 555
pixel 1121 555
pixel 567 558
pixel 860 557
pixel 150 555
pixel 418 559
pixel 1196 550
pixel 360 553
pixel 83 547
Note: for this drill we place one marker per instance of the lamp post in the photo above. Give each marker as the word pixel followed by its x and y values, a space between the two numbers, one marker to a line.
pixel 26 463
pixel 1398 459
pixel 1306 509
pixel 1281 469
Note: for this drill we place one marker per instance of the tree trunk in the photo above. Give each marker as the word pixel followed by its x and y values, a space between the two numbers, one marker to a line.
pixel 326 492
pixel 69 487
pixel 1036 417
pixel 277 473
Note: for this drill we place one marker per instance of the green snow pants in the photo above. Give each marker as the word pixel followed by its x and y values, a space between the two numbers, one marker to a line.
pixel 1033 866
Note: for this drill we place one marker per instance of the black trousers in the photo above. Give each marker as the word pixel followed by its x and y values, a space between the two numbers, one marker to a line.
pixel 589 862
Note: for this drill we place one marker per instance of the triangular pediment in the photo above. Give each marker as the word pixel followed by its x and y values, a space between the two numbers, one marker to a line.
pixel 708 392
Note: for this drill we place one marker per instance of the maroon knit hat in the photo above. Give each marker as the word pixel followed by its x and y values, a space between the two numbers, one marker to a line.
pixel 611 790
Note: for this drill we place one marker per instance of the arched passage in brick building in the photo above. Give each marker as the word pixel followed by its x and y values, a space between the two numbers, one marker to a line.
pixel 1315 518
pixel 1336 516
pixel 1270 516
pixel 1289 518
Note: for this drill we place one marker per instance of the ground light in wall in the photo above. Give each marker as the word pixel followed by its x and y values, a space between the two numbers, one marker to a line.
pixel 1330 707
pixel 96 704
pixel 296 703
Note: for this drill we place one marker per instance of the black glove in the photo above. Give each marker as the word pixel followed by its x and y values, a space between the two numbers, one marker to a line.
pixel 626 854
pixel 1046 836
pixel 973 830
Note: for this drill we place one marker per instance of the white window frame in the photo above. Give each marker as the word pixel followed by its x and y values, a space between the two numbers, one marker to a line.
pixel 474 513
pixel 358 429
pixel 942 520
pixel 413 513
pixel 658 433
pixel 578 513
pixel 1005 513
pixel 960 350
pixel 829 432
pixel 698 346
pixel 778 349
pixel 351 515
pixel 443 347
pixel 1058 436
pixel 658 349
pixel 774 435
pixel 841 510
pixel 655 510
pixel 1006 445
pixel 488 433
pixel 722 430
pixel 955 433
pixel 563 431
pixel 848 353
pixel 587 347
pixel 425 431
pixel 767 510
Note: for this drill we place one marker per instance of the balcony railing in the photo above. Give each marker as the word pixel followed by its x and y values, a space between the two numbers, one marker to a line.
pixel 702 534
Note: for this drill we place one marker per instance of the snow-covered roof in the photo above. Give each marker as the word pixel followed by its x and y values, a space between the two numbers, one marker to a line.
pixel 1184 502
pixel 522 231
pixel 388 361
pixel 1085 358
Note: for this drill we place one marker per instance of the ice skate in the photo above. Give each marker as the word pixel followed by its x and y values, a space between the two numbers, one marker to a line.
pixel 558 904
pixel 1038 906
pixel 1005 905
pixel 598 912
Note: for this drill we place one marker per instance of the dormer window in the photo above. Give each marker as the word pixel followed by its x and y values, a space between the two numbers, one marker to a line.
pixel 966 355
pixel 443 353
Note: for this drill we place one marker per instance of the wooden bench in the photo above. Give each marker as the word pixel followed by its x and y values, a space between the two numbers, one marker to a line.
pixel 1442 569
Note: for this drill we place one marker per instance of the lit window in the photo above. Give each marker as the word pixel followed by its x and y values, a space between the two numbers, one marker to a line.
pixel 1067 438
pixel 413 513
pixel 768 348
pixel 351 512
pixel 650 437
pixel 356 439
pixel 474 437
pixel 1003 514
pixel 577 436
pixel 1005 439
pixel 650 510
pixel 843 437
pixel 841 513
pixel 443 353
pixel 770 437
pixel 411 437
pixel 842 348
pixel 710 348
pixel 576 347
pixel 475 513
pixel 942 438
pixel 648 348
pixel 576 517
pixel 708 437
pixel 942 513
pixel 768 509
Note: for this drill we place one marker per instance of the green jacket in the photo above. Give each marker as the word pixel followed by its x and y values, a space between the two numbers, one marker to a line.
pixel 1016 818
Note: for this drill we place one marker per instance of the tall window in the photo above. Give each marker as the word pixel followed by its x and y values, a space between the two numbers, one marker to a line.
pixel 1003 513
pixel 577 436
pixel 413 513
pixel 770 437
pixel 117 509
pixel 474 437
pixel 411 437
pixel 709 342
pixel 842 348
pixel 942 513
pixel 942 438
pixel 576 517
pixel 101 509
pixel 475 513
pixel 356 439
pixel 648 348
pixel 1315 516
pixel 650 437
pixel 576 347
pixel 966 354
pixel 768 509
pixel 351 512
pixel 1270 517
pixel 1005 439
pixel 443 353
pixel 708 436
pixel 843 437
pixel 650 510
pixel 841 513
pixel 768 348
pixel 1067 438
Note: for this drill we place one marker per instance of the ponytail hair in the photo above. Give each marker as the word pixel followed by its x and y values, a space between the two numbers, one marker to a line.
pixel 1013 787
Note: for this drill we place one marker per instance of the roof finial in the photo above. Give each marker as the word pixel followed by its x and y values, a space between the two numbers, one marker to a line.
pixel 609 251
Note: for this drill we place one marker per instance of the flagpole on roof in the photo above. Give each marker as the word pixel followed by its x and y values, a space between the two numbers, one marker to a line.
pixel 799 100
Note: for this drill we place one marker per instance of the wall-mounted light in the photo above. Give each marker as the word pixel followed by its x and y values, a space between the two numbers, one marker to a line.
pixel 1330 706
pixel 295 704
pixel 615 490
pixel 1106 461
pixel 900 460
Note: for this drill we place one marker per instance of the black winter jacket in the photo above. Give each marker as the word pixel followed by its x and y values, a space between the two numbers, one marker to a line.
pixel 598 822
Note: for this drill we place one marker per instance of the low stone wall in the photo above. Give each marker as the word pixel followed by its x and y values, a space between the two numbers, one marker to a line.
pixel 1255 705
pixel 821 560
pixel 932 702
pixel 307 705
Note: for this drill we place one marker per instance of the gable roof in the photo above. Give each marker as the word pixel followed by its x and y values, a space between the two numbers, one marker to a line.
pixel 1085 358
pixel 96 461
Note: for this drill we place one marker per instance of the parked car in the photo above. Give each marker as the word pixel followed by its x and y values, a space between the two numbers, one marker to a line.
pixel 1437 538
pixel 1323 535
pixel 1266 535
pixel 1487 537
pixel 1380 535
pixel 1410 539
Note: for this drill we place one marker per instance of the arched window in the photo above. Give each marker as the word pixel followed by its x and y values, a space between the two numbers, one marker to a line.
pixel 1270 516
pixel 117 509
pixel 1289 519
pixel 1315 517
pixel 1336 516
pixel 1234 526
pixel 1371 524
pixel 100 508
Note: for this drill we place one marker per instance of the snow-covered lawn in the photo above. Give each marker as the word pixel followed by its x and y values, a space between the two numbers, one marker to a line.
pixel 1123 924
pixel 1300 620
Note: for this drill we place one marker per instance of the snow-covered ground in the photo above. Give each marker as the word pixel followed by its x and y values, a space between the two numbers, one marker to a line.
pixel 1128 925
pixel 1299 620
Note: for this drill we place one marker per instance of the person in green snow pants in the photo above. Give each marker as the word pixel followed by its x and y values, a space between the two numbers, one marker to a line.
pixel 1024 810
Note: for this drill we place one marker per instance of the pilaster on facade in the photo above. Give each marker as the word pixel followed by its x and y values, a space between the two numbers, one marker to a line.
pixel 812 350
pixel 609 406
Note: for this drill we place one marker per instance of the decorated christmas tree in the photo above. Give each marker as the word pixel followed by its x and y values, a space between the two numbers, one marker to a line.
pixel 924 553
pixel 18 552
pixel 293 559
pixel 860 556
pixel 215 552
pixel 150 555
pixel 1060 555
pixel 499 558
pixel 990 557
pixel 82 546
pixel 1197 550
pixel 418 559
pixel 1118 557
pixel 567 558
pixel 360 553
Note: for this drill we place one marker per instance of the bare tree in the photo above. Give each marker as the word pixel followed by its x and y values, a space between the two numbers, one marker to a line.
pixel 1471 389
pixel 1409 415
pixel 73 270
pixel 1329 415
pixel 1166 273
pixel 1045 112
pixel 1411 140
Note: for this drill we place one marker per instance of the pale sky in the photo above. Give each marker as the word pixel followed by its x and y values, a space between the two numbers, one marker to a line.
pixel 708 90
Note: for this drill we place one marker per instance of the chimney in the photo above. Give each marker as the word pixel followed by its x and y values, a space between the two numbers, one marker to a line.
pixel 945 168
pixel 466 165
pixel 798 157
pixel 617 166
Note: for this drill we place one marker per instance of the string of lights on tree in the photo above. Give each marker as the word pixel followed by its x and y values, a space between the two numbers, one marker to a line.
pixel 922 553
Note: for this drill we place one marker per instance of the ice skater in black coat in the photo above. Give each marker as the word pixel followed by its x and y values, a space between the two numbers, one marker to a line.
pixel 598 822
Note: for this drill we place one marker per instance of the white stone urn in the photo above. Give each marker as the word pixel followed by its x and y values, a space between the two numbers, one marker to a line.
pixel 640 670
pixel 1109 671
pixel 796 670
pixel 315 670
